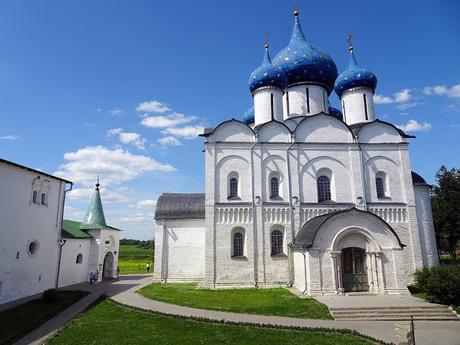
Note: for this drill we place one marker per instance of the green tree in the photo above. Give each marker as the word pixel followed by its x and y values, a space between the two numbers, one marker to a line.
pixel 445 201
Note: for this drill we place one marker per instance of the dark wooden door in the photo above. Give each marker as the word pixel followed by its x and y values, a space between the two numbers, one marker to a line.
pixel 354 270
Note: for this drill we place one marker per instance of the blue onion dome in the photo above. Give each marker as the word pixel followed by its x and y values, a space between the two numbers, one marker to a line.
pixel 248 116
pixel 267 75
pixel 336 113
pixel 305 64
pixel 354 77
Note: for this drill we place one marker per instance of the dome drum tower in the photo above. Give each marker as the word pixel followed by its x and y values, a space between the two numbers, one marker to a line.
pixel 355 88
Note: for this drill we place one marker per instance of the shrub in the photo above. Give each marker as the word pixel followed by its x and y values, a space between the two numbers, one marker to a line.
pixel 442 283
pixel 50 295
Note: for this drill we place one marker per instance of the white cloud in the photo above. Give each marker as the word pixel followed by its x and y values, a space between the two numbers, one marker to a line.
pixel 113 166
pixel 164 121
pixel 171 141
pixel 414 126
pixel 152 107
pixel 146 203
pixel 405 106
pixel 10 137
pixel 116 112
pixel 443 90
pixel 380 99
pixel 73 213
pixel 128 137
pixel 188 132
pixel 402 96
pixel 86 193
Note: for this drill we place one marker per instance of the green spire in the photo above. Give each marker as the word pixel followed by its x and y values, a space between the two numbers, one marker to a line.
pixel 95 213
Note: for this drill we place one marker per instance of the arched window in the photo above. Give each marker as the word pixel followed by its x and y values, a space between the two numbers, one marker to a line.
pixel 238 244
pixel 79 259
pixel 380 186
pixel 35 197
pixel 233 188
pixel 274 187
pixel 323 184
pixel 277 242
pixel 43 199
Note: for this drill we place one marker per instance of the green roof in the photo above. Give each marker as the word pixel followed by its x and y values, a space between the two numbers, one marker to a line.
pixel 71 229
pixel 95 213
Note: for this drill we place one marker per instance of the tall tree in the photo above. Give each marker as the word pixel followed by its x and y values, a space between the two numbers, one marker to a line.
pixel 445 201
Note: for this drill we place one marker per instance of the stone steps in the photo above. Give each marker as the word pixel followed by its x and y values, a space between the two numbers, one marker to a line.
pixel 429 313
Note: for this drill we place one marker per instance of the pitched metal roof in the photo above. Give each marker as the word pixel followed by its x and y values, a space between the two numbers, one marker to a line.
pixel 71 229
pixel 180 206
pixel 95 213
pixel 33 170
pixel 417 179
pixel 306 236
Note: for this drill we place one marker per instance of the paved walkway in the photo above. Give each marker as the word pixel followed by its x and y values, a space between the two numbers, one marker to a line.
pixel 123 291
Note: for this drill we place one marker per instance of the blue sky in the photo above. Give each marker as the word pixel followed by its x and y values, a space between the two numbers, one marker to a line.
pixel 120 88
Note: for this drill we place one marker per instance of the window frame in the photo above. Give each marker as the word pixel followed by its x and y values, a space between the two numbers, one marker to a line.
pixel 277 244
pixel 321 184
pixel 272 194
pixel 240 246
pixel 233 189
pixel 79 259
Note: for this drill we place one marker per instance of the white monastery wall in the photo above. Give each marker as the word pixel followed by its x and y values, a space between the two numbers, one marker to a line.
pixel 264 99
pixel 23 273
pixel 104 241
pixel 73 272
pixel 179 250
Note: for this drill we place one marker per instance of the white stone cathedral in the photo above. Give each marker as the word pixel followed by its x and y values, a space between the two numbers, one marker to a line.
pixel 299 193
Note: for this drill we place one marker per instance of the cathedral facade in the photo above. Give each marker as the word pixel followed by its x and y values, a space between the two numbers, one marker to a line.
pixel 299 193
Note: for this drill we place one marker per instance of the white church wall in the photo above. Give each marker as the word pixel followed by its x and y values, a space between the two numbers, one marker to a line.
pixel 24 273
pixel 274 165
pixel 233 163
pixel 386 163
pixel 232 131
pixel 179 250
pixel 234 271
pixel 322 128
pixel 73 272
pixel 378 133
pixel 317 163
pixel 299 271
pixel 274 132
pixel 276 266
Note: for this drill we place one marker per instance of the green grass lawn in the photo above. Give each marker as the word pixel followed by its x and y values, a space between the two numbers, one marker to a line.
pixel 279 302
pixel 109 323
pixel 17 322
pixel 133 258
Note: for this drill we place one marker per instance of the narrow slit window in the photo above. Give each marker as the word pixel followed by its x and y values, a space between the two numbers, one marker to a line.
pixel 380 186
pixel 233 192
pixel 287 103
pixel 307 94
pixel 35 197
pixel 365 106
pixel 238 244
pixel 271 105
pixel 344 113
pixel 43 199
pixel 324 100
pixel 274 187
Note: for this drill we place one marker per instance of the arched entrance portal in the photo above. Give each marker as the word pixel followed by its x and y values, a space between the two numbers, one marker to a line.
pixel 107 271
pixel 354 270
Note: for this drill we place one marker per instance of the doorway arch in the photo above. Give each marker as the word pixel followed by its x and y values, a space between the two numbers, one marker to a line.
pixel 107 271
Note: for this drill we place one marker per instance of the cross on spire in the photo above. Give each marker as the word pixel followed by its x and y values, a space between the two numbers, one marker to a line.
pixel 97 183
pixel 296 8
pixel 266 40
pixel 350 43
